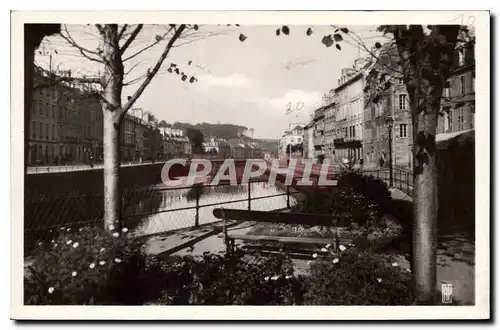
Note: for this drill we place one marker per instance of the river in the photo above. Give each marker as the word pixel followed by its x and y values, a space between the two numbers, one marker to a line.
pixel 167 203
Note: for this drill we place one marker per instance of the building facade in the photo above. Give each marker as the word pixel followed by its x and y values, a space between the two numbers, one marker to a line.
pixel 308 146
pixel 348 138
pixel 319 133
pixel 66 123
pixel 291 138
pixel 387 113
pixel 458 101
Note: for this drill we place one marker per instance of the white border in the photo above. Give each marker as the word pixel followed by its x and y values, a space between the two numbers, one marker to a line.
pixel 480 310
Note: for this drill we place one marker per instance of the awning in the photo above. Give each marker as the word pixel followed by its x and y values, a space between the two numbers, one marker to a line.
pixel 443 141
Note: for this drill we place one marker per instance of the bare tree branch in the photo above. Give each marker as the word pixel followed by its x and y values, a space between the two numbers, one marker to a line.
pixel 151 45
pixel 81 49
pixel 155 69
pixel 122 31
pixel 131 38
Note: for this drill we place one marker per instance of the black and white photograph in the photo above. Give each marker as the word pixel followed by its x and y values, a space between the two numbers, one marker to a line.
pixel 250 159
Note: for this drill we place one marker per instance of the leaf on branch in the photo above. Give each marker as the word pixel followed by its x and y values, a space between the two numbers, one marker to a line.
pixel 169 70
pixel 336 30
pixel 237 25
pixel 285 30
pixel 189 63
pixel 195 27
pixel 376 99
pixel 309 31
pixel 277 32
pixel 388 85
pixel 177 71
pixel 338 46
pixel 345 30
pixel 242 37
pixel 158 37
pixel 337 37
pixel 184 77
pixel 378 45
pixel 327 40
pixel 173 65
pixel 192 80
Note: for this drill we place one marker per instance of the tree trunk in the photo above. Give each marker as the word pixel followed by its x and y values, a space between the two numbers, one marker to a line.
pixel 425 204
pixel 112 113
pixel 111 144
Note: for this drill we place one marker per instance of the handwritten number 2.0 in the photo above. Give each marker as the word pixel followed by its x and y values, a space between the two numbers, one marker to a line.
pixel 294 108
pixel 464 20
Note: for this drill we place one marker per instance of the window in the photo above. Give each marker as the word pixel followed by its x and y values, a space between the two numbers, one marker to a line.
pixel 447 89
pixel 33 129
pixel 41 131
pixel 354 131
pixel 461 57
pixel 450 122
pixel 473 86
pixel 54 132
pixel 461 119
pixel 462 85
pixel 403 133
pixel 401 81
pixel 402 102
pixel 47 131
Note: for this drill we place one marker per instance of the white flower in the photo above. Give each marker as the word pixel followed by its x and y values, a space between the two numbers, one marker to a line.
pixel 328 246
pixel 51 289
pixel 92 265
pixel 102 262
pixel 75 245
pixel 111 227
pixel 102 249
pixel 288 276
pixel 125 229
pixel 379 280
pixel 394 264
pixel 315 255
pixel 73 274
pixel 52 241
pixel 118 260
pixel 80 229
pixel 408 270
pixel 62 228
pixel 69 242
pixel 69 229
pixel 275 277
pixel 266 278
pixel 309 262
pixel 115 234
pixel 55 245
pixel 324 250
pixel 336 260
pixel 342 248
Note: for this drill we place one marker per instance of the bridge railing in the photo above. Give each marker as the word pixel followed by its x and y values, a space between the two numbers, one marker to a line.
pixel 402 178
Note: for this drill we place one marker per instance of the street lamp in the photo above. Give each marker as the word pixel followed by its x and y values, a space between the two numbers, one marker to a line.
pixel 390 122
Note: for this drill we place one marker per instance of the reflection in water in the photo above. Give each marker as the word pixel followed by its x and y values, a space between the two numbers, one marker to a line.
pixel 186 197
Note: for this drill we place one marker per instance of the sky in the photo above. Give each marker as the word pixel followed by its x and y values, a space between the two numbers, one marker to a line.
pixel 248 83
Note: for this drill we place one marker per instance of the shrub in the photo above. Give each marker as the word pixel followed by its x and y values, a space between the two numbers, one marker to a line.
pixel 357 278
pixel 235 279
pixel 84 266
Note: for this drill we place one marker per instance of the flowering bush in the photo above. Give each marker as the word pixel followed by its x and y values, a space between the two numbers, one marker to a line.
pixel 235 279
pixel 350 277
pixel 84 266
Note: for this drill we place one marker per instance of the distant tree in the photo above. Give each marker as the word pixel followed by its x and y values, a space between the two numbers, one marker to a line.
pixel 196 137
pixel 163 124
